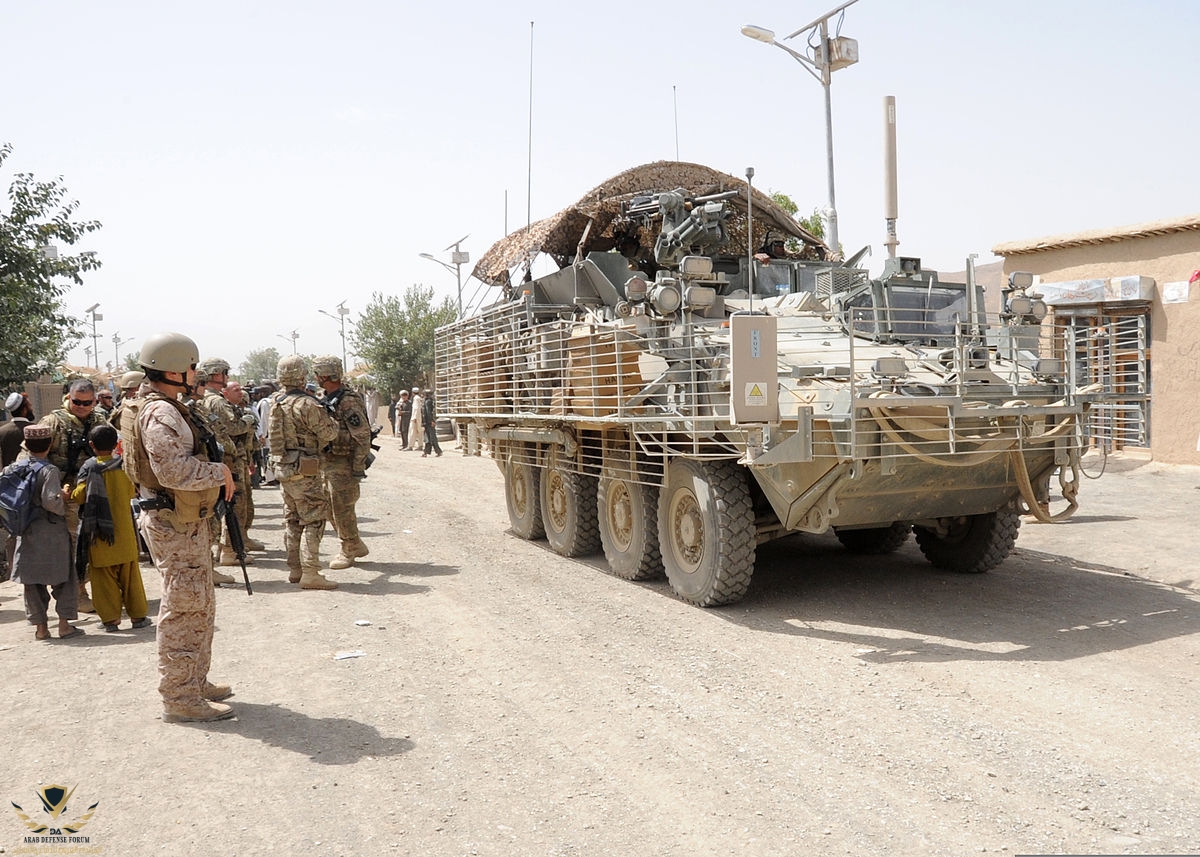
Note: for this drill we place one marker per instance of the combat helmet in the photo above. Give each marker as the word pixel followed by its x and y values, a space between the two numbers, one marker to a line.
pixel 292 371
pixel 131 380
pixel 169 352
pixel 215 366
pixel 327 366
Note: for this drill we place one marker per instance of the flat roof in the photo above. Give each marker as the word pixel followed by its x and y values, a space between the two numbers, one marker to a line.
pixel 1187 223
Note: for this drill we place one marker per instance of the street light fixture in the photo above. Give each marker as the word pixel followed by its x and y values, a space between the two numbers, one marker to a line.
pixel 293 336
pixel 342 310
pixel 828 56
pixel 96 316
pixel 117 343
pixel 457 260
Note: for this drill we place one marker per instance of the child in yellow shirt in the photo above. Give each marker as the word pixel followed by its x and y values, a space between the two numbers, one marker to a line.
pixel 107 541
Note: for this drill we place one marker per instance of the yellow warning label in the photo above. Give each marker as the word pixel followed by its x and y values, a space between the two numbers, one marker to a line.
pixel 755 395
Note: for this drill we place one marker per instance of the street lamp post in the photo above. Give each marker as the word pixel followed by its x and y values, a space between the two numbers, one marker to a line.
pixel 829 56
pixel 293 336
pixel 458 258
pixel 96 316
pixel 117 343
pixel 343 310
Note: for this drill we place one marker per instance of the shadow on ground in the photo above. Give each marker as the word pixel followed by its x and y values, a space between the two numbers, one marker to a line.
pixel 325 740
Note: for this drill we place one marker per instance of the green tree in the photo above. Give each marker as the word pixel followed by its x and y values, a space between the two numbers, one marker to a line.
pixel 396 337
pixel 34 276
pixel 259 364
pixel 814 223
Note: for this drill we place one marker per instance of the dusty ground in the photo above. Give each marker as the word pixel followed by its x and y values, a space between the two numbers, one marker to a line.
pixel 511 702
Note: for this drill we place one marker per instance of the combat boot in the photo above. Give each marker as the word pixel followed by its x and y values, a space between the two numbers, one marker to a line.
pixel 219 577
pixel 216 692
pixel 341 561
pixel 294 574
pixel 254 544
pixel 228 557
pixel 315 580
pixel 359 549
pixel 201 711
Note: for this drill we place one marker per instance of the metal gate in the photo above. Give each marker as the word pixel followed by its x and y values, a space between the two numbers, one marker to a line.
pixel 1112 350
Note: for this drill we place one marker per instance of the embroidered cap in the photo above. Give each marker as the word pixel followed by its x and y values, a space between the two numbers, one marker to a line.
pixel 36 431
pixel 13 402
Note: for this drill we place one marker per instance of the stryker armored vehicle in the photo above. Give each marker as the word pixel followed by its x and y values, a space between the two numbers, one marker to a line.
pixel 674 400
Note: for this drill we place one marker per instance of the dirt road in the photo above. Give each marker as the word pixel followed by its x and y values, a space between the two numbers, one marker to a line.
pixel 508 701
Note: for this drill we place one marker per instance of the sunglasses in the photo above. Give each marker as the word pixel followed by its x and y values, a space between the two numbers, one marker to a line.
pixel 83 403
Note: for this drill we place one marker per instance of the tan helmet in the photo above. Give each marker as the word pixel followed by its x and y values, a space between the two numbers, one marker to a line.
pixel 215 366
pixel 327 366
pixel 131 380
pixel 292 371
pixel 169 352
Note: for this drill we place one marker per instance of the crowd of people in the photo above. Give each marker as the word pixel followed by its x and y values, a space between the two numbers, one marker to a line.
pixel 181 446
pixel 414 418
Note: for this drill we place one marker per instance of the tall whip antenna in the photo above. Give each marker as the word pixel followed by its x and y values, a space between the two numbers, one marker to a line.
pixel 529 169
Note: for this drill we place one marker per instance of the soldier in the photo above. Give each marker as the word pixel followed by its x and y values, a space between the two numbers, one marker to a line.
pixel 345 463
pixel 130 384
pixel 299 429
pixel 232 433
pixel 178 488
pixel 69 427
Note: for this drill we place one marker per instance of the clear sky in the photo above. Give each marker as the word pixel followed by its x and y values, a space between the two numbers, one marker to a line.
pixel 256 161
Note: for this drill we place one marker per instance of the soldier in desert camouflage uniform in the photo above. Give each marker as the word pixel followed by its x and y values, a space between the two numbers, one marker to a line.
pixel 298 430
pixel 178 488
pixel 345 463
pixel 232 433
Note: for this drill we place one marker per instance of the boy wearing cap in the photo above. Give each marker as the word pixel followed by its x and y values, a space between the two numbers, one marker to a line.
pixel 12 433
pixel 43 554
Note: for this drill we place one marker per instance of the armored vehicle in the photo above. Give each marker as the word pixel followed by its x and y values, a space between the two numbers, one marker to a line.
pixel 675 400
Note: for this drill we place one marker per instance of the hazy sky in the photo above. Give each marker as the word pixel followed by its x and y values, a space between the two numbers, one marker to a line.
pixel 254 162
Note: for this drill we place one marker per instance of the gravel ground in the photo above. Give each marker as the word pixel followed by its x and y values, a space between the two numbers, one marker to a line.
pixel 505 700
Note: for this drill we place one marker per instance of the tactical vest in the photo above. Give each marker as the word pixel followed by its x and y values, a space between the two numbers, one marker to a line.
pixel 187 505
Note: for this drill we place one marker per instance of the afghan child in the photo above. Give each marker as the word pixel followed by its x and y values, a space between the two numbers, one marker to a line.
pixel 43 554
pixel 107 541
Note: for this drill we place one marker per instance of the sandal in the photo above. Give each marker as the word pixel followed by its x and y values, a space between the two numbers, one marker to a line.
pixel 144 622
pixel 74 632
pixel 110 627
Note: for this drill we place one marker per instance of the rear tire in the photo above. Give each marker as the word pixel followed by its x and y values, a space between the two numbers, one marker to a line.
pixel 521 491
pixel 706 531
pixel 876 540
pixel 973 543
pixel 628 513
pixel 568 501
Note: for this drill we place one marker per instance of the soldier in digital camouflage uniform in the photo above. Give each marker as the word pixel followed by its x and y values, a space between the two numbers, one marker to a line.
pixel 201 405
pixel 345 463
pixel 298 429
pixel 178 486
pixel 246 443
pixel 232 433
pixel 69 427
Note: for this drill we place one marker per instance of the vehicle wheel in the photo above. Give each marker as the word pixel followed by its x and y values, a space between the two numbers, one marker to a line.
pixel 876 540
pixel 706 531
pixel 568 508
pixel 973 543
pixel 521 493
pixel 628 513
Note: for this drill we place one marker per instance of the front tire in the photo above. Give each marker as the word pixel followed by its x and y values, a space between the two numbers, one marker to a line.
pixel 971 544
pixel 568 508
pixel 522 492
pixel 706 531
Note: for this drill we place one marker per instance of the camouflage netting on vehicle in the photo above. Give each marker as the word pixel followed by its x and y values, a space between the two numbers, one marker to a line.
pixel 559 235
